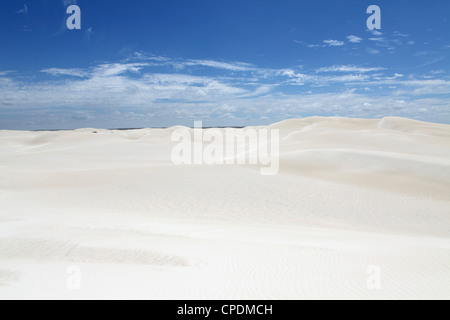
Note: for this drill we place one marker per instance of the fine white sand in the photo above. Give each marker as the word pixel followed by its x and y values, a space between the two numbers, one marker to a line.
pixel 351 194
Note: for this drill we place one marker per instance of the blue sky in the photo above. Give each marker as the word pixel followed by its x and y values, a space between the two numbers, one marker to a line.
pixel 142 63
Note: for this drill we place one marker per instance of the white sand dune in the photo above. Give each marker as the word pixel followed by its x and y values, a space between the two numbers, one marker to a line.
pixel 350 194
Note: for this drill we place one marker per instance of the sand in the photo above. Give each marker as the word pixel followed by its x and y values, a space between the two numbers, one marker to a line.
pixel 107 215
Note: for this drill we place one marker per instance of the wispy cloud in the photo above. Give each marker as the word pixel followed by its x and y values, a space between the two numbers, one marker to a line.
pixel 348 79
pixel 4 73
pixel 24 10
pixel 354 39
pixel 382 43
pixel 399 34
pixel 145 88
pixel 334 43
pixel 89 32
pixel 349 68
pixel 377 39
pixel 373 51
pixel 115 69
pixel 315 46
pixel 375 32
pixel 66 72
pixel 237 66
pixel 180 64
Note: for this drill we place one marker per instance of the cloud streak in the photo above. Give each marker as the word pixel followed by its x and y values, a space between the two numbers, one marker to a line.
pixel 146 90
pixel 349 68
pixel 65 72
pixel 24 10
pixel 354 39
pixel 334 43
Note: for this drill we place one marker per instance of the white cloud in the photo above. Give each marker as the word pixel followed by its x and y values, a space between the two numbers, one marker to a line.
pixel 66 72
pixel 4 73
pixel 373 51
pixel 436 82
pixel 180 64
pixel 24 10
pixel 354 39
pixel 237 66
pixel 142 56
pixel 132 91
pixel 114 69
pixel 89 32
pixel 350 78
pixel 377 39
pixel 174 79
pixel 348 68
pixel 422 54
pixel 395 76
pixel 103 70
pixel 334 43
pixel 399 34
pixel 376 33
